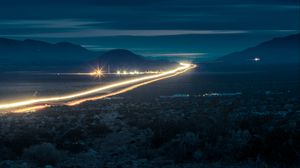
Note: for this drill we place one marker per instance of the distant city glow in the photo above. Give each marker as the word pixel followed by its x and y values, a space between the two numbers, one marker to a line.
pixel 79 101
pixel 98 72
pixel 135 72
pixel 256 59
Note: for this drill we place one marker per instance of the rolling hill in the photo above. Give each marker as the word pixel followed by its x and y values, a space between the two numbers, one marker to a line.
pixel 34 52
pixel 125 59
pixel 283 50
pixel 34 55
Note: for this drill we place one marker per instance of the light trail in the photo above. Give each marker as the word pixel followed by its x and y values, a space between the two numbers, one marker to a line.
pixel 77 102
pixel 31 108
pixel 181 69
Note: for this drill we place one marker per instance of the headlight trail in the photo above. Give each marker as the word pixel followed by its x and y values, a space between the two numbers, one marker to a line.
pixel 77 102
pixel 181 69
pixel 31 108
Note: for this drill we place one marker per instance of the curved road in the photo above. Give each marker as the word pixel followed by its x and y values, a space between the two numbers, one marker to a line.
pixel 77 98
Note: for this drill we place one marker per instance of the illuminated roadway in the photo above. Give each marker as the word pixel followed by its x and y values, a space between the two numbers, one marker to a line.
pixel 77 98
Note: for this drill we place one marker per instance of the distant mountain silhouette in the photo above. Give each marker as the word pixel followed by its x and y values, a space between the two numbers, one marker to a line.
pixel 121 57
pixel 35 55
pixel 36 52
pixel 284 50
pixel 125 59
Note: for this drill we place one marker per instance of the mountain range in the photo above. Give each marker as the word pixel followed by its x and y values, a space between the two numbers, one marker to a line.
pixel 26 55
pixel 282 50
pixel 125 59
pixel 36 55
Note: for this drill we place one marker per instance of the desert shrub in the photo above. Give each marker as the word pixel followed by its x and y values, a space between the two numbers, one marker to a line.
pixel 277 146
pixel 97 129
pixel 74 135
pixel 72 140
pixel 43 154
pixel 6 153
pixel 19 142
pixel 182 147
pixel 13 164
pixel 165 130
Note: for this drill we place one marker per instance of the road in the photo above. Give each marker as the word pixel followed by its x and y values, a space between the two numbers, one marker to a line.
pixel 80 97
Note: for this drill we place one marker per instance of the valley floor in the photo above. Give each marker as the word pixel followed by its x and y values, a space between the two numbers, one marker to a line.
pixel 234 130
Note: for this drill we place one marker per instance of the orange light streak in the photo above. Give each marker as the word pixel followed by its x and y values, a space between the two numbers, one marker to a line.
pixel 77 102
pixel 181 69
pixel 31 109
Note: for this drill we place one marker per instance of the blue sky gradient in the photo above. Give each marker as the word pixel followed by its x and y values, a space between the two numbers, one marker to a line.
pixel 188 29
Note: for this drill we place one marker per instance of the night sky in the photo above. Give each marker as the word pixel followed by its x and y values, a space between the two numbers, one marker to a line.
pixel 189 29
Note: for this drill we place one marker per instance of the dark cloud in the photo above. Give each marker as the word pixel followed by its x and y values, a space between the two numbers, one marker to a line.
pixel 81 20
pixel 144 2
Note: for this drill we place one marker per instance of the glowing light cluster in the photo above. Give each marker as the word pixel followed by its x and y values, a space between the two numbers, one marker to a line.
pixel 256 59
pixel 79 101
pixel 125 72
pixel 141 80
pixel 98 72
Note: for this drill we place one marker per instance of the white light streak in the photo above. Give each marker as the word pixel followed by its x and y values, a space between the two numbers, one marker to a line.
pixel 182 68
